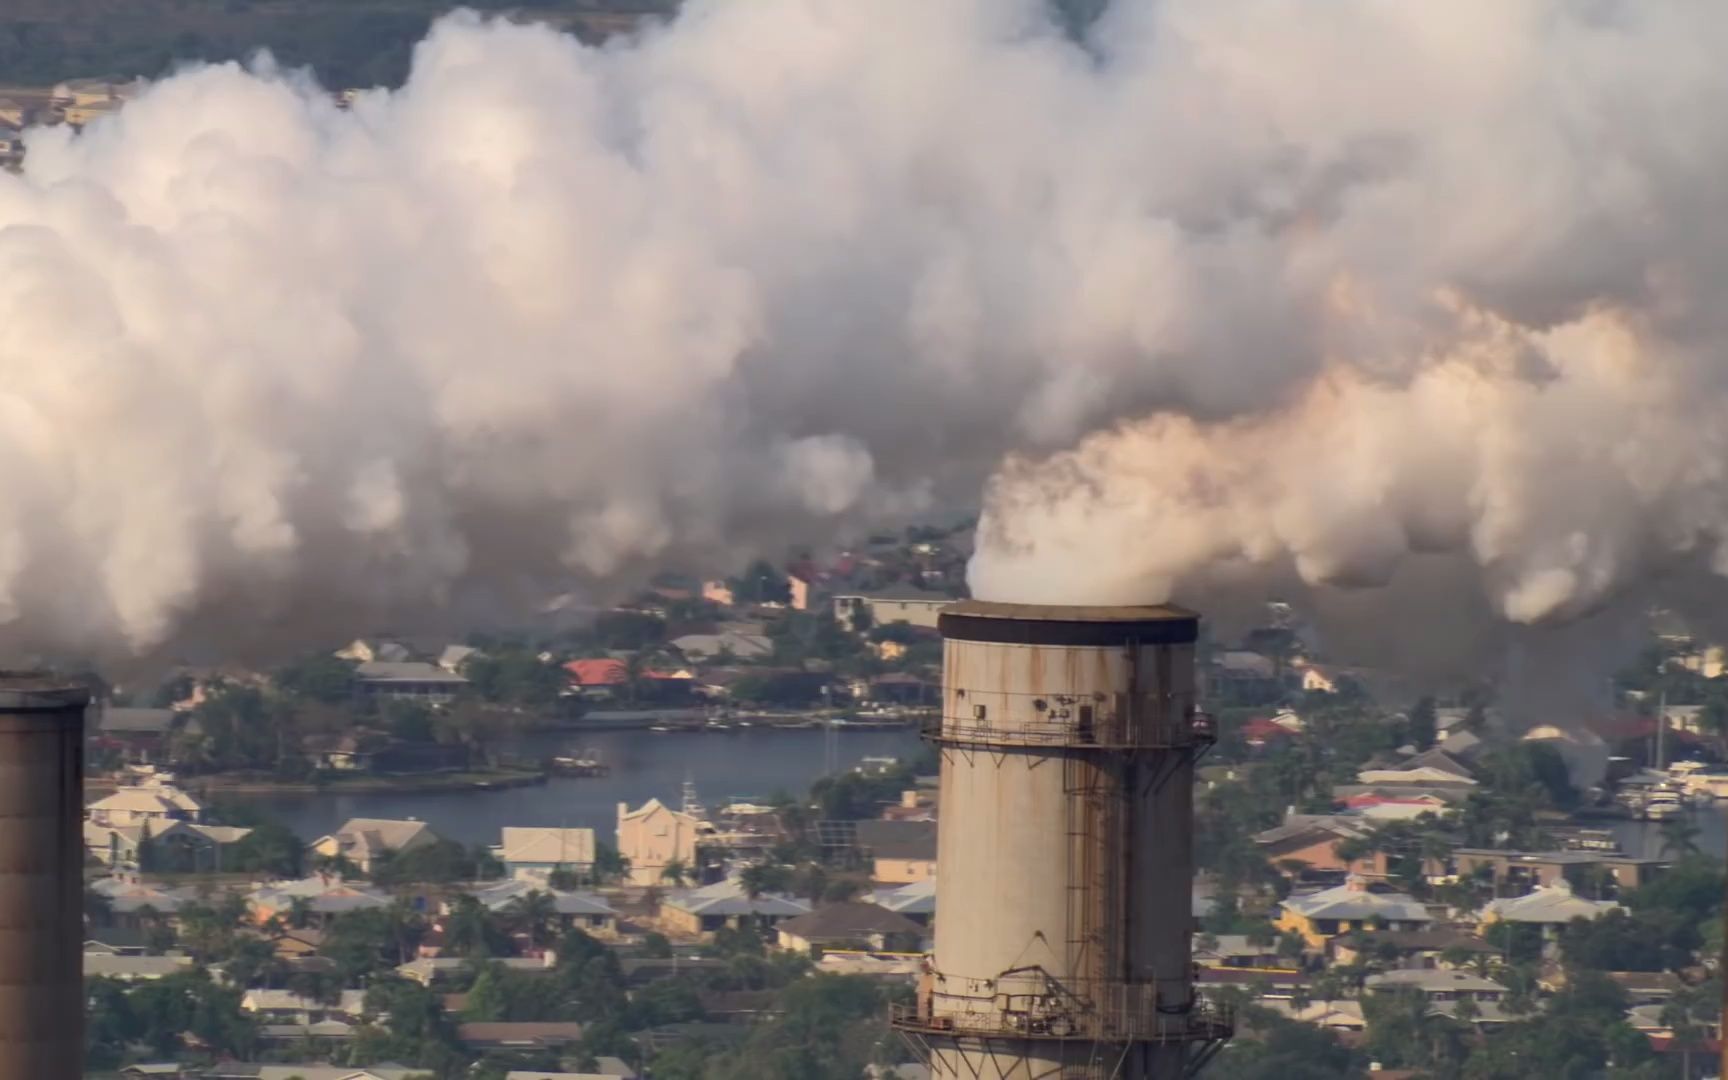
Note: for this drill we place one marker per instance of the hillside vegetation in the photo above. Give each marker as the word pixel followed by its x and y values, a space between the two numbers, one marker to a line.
pixel 347 42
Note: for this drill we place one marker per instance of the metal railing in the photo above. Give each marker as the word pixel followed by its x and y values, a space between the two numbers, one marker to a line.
pixel 1106 732
pixel 1089 1010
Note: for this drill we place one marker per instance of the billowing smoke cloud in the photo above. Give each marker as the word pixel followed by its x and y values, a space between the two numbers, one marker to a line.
pixel 1241 283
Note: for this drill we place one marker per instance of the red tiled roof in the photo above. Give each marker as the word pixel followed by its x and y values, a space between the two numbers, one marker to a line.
pixel 596 672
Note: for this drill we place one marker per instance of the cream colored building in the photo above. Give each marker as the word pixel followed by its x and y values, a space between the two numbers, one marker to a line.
pixel 655 836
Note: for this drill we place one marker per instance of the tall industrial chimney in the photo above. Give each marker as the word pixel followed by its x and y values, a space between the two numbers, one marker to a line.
pixel 41 868
pixel 1064 857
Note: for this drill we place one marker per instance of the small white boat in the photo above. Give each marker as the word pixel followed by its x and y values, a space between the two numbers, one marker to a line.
pixel 1662 804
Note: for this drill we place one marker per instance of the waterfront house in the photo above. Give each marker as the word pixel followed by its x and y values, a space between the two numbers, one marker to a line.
pixel 408 680
pixel 1517 872
pixel 533 853
pixel 655 835
pixel 137 735
pixel 156 801
pixel 362 841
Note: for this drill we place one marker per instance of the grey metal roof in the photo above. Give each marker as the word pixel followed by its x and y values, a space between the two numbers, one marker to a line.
pixel 727 898
pixel 897 839
pixel 388 671
pixel 850 919
pixel 1352 901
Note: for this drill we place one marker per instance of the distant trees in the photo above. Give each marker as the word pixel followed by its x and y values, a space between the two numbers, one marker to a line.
pixel 318 677
pixel 1423 724
pixel 515 677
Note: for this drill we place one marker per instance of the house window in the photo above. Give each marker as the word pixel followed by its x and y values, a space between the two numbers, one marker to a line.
pixel 979 712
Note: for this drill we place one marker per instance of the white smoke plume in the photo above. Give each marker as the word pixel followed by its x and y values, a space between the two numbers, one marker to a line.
pixel 1243 282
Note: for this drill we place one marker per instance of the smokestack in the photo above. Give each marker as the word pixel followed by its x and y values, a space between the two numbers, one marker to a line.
pixel 41 855
pixel 1068 739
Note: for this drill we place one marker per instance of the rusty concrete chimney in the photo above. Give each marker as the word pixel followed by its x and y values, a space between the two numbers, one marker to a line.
pixel 41 877
pixel 1064 851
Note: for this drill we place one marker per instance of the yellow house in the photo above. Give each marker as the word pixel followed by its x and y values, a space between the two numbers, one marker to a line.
pixel 1319 917
pixel 656 835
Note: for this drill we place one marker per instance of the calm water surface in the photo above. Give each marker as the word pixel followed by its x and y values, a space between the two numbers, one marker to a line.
pixel 645 764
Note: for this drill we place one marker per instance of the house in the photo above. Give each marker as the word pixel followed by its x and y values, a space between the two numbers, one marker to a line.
pixel 288 1007
pixel 574 908
pixel 454 656
pixel 1320 680
pixel 133 968
pixel 518 1036
pixel 1263 731
pixel 700 647
pixel 535 853
pixel 138 735
pixel 640 971
pixel 345 751
pixel 131 901
pixel 597 673
pixel 240 1070
pixel 1262 983
pixel 852 924
pixel 903 688
pixel 1517 872
pixel 431 970
pixel 1416 775
pixel 1408 948
pixel 117 941
pixel 322 898
pixel 408 680
pixel 1339 1017
pixel 716 591
pixel 605 1068
pixel 1312 840
pixel 174 847
pixel 362 841
pixel 858 612
pixel 156 801
pixel 321 1036
pixel 1437 985
pixel 1323 915
pixel 900 851
pixel 362 651
pixel 740 1006
pixel 655 836
pixel 1235 951
pixel 1549 906
pixel 916 901
pixel 725 903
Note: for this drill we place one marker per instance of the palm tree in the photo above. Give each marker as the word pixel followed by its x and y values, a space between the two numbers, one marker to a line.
pixel 299 912
pixel 467 928
pixel 675 872
pixel 1680 837
pixel 405 925
pixel 535 914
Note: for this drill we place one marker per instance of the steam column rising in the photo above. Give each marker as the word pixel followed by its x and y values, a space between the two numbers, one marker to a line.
pixel 1064 857
pixel 41 887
